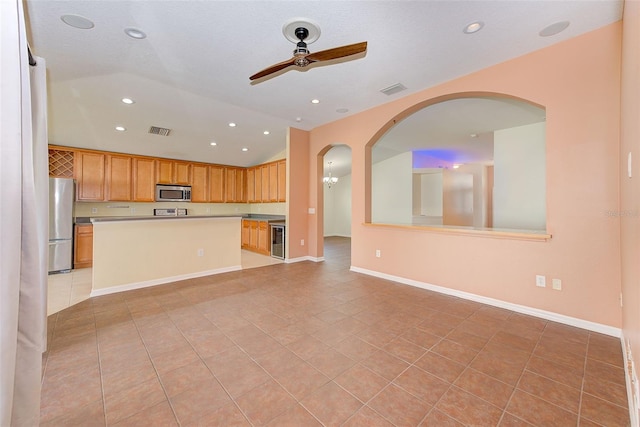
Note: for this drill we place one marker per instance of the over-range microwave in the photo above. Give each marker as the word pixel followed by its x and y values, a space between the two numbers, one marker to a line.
pixel 173 193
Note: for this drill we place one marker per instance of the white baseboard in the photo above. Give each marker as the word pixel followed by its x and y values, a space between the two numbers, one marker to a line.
pixel 548 315
pixel 631 379
pixel 161 281
pixel 303 258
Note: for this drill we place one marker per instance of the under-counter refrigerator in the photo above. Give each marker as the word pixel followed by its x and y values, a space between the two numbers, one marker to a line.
pixel 61 199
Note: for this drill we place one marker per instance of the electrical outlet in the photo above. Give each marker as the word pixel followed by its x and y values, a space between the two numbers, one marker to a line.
pixel 377 253
pixel 200 252
pixel 541 281
pixel 556 284
pixel 94 210
pixel 208 210
pixel 301 242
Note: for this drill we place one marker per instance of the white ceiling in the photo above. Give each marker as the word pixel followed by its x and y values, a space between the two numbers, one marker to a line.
pixel 191 73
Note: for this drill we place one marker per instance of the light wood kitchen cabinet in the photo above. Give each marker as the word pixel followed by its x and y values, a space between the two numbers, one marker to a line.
pixel 273 182
pixel 282 181
pixel 256 236
pixel 264 171
pixel 173 172
pixel 144 179
pixel 83 246
pixel 251 185
pixel 199 183
pixel 118 178
pixel 89 172
pixel 264 240
pixel 234 185
pixel 246 234
pixel 216 184
pixel 258 185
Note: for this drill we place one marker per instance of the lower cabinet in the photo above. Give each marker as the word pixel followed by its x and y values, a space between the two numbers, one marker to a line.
pixel 83 246
pixel 255 236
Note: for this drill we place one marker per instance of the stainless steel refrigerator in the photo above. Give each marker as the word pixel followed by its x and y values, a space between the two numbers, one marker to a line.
pixel 61 198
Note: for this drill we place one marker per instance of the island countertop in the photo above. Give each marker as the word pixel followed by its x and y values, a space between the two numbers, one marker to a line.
pixel 97 219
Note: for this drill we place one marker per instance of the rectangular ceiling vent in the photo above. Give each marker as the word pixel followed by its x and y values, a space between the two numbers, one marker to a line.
pixel 398 87
pixel 159 131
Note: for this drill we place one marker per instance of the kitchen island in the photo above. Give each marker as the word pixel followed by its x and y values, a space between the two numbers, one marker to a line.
pixel 137 252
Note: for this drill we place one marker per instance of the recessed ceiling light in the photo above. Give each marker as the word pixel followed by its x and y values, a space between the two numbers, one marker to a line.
pixel 315 101
pixel 232 125
pixel 298 119
pixel 554 29
pixel 474 135
pixel 120 128
pixel 128 101
pixel 77 21
pixel 245 149
pixel 474 27
pixel 266 132
pixel 456 166
pixel 342 110
pixel 213 144
pixel 135 33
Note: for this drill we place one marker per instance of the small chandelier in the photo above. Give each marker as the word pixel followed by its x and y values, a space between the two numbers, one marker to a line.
pixel 330 180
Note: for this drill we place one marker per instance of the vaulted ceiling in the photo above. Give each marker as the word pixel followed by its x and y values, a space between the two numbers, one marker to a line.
pixel 191 72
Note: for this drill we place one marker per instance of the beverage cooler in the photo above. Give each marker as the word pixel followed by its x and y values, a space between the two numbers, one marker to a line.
pixel 277 241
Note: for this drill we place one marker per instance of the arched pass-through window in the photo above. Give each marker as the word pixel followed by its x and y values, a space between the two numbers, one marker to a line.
pixel 467 163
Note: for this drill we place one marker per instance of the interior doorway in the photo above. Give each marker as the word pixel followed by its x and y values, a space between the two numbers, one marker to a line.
pixel 336 197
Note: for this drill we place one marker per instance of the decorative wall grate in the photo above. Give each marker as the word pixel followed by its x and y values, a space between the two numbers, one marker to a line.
pixel 61 163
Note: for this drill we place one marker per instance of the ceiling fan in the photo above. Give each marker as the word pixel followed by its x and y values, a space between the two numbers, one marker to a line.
pixel 303 32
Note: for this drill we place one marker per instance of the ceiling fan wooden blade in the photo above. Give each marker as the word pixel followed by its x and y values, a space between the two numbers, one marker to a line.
pixel 273 69
pixel 337 52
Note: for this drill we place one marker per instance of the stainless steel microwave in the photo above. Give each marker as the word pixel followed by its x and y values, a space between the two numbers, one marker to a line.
pixel 173 193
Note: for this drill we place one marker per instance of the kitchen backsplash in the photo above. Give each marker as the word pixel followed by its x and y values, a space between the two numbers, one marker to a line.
pixel 90 209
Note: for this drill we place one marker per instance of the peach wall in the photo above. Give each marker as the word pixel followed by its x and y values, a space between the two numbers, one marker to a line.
pixel 630 187
pixel 578 82
pixel 298 181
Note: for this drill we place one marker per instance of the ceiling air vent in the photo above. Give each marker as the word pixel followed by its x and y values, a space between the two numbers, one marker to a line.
pixel 398 87
pixel 159 131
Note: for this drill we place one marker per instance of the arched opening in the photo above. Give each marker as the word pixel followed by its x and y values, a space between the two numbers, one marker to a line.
pixel 474 160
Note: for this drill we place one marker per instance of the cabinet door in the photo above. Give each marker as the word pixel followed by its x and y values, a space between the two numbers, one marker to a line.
pixel 182 173
pixel 253 235
pixel 258 185
pixel 118 182
pixel 89 171
pixel 164 171
pixel 230 185
pixel 144 179
pixel 282 181
pixel 216 184
pixel 241 177
pixel 251 185
pixel 273 182
pixel 264 170
pixel 264 240
pixel 246 233
pixel 83 241
pixel 200 183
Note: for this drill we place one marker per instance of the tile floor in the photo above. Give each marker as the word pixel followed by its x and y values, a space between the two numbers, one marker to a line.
pixel 309 344
pixel 67 289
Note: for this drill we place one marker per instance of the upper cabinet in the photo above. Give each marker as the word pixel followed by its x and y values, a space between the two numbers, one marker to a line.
pixel 118 177
pixel 144 179
pixel 235 185
pixel 199 183
pixel 173 172
pixel 104 176
pixel 89 172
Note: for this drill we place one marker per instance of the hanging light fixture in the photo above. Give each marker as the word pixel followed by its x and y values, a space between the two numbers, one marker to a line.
pixel 330 180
